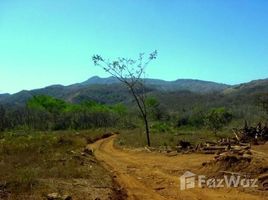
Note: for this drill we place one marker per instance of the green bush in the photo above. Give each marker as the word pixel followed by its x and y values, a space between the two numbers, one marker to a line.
pixel 161 127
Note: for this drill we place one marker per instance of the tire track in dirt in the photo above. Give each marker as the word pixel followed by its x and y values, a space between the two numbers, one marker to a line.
pixel 154 176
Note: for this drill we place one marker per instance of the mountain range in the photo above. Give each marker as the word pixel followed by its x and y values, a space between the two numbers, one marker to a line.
pixel 110 90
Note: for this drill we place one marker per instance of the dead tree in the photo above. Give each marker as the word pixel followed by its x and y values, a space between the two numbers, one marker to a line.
pixel 130 72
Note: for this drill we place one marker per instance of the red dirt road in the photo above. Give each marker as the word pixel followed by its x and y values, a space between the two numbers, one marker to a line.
pixel 154 176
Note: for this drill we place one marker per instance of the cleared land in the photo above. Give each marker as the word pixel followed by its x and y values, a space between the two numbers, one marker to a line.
pixel 156 176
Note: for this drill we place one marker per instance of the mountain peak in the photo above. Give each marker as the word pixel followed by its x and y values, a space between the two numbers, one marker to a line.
pixel 94 78
pixel 98 80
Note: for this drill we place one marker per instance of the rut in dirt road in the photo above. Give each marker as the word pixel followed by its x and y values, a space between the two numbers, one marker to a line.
pixel 154 176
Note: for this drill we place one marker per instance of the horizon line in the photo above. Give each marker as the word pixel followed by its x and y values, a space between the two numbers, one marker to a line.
pixel 97 76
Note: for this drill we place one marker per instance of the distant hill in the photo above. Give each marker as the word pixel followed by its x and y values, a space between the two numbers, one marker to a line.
pixel 110 90
pixel 180 84
pixel 255 86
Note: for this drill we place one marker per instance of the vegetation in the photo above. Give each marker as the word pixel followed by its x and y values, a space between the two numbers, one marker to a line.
pixel 167 112
pixel 34 164
pixel 47 113
pixel 44 113
pixel 169 138
pixel 2 118
pixel 263 102
pixel 217 118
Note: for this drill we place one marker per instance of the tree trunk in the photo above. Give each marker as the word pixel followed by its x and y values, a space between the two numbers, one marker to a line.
pixel 143 114
pixel 147 131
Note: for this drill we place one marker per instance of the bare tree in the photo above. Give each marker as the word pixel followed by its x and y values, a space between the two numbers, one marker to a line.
pixel 130 72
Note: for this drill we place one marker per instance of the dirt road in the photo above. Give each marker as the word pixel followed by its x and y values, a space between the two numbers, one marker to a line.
pixel 154 176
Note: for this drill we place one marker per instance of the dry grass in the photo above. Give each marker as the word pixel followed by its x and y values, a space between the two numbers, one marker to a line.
pixel 137 137
pixel 37 163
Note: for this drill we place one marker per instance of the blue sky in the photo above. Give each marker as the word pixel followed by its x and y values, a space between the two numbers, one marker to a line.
pixel 51 41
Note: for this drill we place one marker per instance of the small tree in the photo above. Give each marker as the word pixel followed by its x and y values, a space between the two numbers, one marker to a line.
pixel 129 72
pixel 217 118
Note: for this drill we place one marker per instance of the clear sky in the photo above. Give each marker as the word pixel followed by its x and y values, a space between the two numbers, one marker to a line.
pixel 44 42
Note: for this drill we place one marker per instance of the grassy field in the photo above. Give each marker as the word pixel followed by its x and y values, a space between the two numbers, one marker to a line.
pixel 137 137
pixel 34 164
